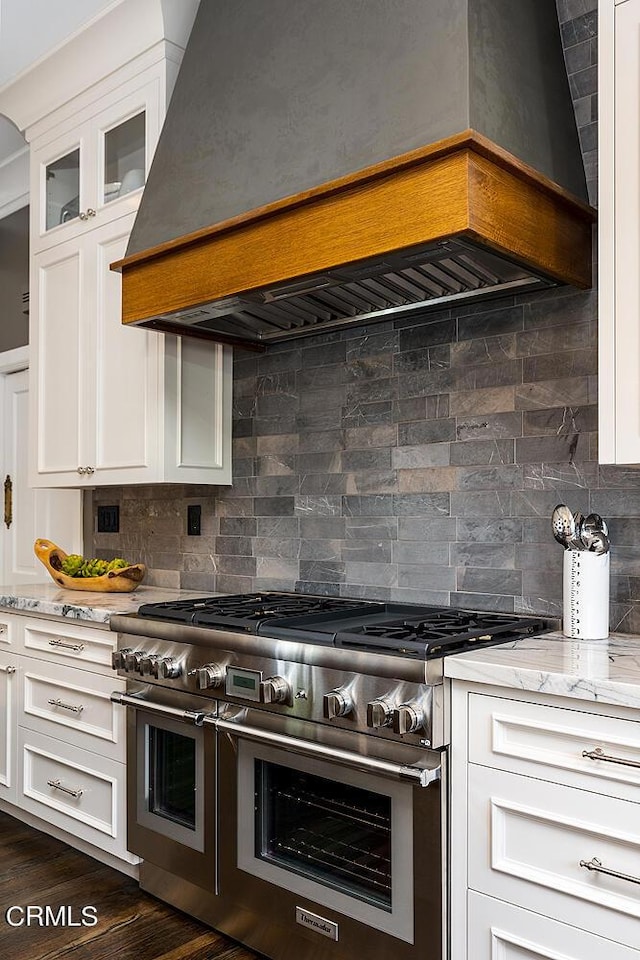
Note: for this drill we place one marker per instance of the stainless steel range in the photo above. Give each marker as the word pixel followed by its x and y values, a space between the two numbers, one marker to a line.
pixel 287 760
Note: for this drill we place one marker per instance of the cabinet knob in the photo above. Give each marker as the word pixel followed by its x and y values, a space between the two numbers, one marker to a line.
pixel 89 470
pixel 89 213
pixel 82 470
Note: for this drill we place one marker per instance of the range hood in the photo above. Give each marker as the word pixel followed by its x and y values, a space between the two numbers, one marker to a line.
pixel 333 163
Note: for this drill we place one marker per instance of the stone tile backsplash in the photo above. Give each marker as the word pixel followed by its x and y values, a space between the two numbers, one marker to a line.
pixel 416 460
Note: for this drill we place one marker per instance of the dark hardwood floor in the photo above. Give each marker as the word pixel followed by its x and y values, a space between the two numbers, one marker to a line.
pixel 37 870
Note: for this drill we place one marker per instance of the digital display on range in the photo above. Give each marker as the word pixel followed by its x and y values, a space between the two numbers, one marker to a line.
pixel 244 684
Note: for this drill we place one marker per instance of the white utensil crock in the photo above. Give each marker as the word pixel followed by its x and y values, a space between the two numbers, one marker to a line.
pixel 585 581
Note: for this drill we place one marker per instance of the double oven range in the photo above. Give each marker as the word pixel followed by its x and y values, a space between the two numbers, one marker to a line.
pixel 287 766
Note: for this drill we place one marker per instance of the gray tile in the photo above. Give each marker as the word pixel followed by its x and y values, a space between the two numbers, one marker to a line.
pixel 375 505
pixel 367 551
pixel 376 458
pixel 359 414
pixel 238 526
pixel 378 435
pixel 492 530
pixel 323 484
pixel 426 529
pixel 479 601
pixel 277 568
pixel 321 506
pixel 554 476
pixel 287 527
pixel 487 400
pixel 374 528
pixel 427 431
pixel 236 566
pixel 419 552
pixel 489 426
pixel 421 504
pixel 234 546
pixel 274 506
pixel 426 577
pixel 469 452
pixel 322 527
pixel 321 550
pixel 374 574
pixel 276 485
pixel 497 477
pixel 484 350
pixel 491 504
pixel 322 571
pixel 276 547
pixel 371 481
pixel 489 580
pixel 421 455
pixel 565 448
pixel 556 339
pixel 560 420
pixel 492 555
pixel 492 323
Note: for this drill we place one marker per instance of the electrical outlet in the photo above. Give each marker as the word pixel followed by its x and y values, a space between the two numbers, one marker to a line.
pixel 109 519
pixel 194 519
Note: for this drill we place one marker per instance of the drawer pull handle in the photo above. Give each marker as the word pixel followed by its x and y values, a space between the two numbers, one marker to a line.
pixel 56 785
pixel 595 864
pixel 76 647
pixel 66 706
pixel 599 754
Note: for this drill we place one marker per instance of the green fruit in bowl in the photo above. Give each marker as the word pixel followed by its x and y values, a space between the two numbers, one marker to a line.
pixel 117 564
pixel 72 564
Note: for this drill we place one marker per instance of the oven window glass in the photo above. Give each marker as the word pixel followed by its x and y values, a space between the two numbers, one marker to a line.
pixel 172 776
pixel 334 833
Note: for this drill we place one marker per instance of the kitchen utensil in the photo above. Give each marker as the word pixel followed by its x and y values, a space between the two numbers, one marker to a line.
pixel 578 543
pixel 563 525
pixel 123 580
pixel 599 543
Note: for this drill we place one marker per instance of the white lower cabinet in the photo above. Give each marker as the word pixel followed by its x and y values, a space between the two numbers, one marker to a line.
pixel 500 931
pixel 81 792
pixel 8 725
pixel 62 740
pixel 545 817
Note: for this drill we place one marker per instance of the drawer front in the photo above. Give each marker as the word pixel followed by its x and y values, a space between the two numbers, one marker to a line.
pixel 530 843
pixel 73 705
pixel 8 632
pixel 77 791
pixel 573 747
pixel 500 931
pixel 70 643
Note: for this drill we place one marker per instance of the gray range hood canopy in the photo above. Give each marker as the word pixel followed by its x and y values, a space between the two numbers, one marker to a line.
pixel 277 97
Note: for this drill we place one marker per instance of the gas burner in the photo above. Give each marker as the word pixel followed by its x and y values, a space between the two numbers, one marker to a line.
pixel 247 611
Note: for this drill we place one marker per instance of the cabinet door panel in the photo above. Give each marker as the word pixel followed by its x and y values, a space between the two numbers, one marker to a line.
pixel 58 345
pixel 126 371
pixel 8 692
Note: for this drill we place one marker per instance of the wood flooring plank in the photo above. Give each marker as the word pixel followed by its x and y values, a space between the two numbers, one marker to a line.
pixel 41 870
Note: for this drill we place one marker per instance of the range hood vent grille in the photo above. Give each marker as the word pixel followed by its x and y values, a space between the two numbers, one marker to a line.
pixel 396 286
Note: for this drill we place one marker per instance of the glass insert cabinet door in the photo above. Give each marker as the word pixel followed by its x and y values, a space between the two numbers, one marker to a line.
pixel 62 189
pixel 107 161
pixel 124 158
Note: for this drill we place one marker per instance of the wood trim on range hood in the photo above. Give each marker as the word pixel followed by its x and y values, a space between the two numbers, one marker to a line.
pixel 464 187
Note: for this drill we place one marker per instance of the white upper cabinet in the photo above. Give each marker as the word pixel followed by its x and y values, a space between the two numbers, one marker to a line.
pixel 95 170
pixel 619 231
pixel 109 404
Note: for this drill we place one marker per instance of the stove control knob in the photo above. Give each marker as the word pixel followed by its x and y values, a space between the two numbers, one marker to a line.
pixel 407 718
pixel 148 665
pixel 336 703
pixel 210 675
pixel 275 690
pixel 379 713
pixel 118 658
pixel 132 660
pixel 169 669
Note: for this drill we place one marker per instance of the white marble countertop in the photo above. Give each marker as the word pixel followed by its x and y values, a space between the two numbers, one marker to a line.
pixel 49 600
pixel 607 671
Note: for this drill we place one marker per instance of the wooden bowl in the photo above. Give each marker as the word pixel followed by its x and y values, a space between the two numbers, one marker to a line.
pixel 116 581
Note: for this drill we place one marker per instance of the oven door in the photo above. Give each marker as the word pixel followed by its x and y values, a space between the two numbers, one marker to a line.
pixel 332 841
pixel 171 781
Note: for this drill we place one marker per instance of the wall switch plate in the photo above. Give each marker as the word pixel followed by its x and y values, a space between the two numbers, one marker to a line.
pixel 194 518
pixel 109 519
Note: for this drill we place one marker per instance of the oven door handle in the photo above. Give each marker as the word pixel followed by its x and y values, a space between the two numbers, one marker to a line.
pixel 422 776
pixel 195 717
